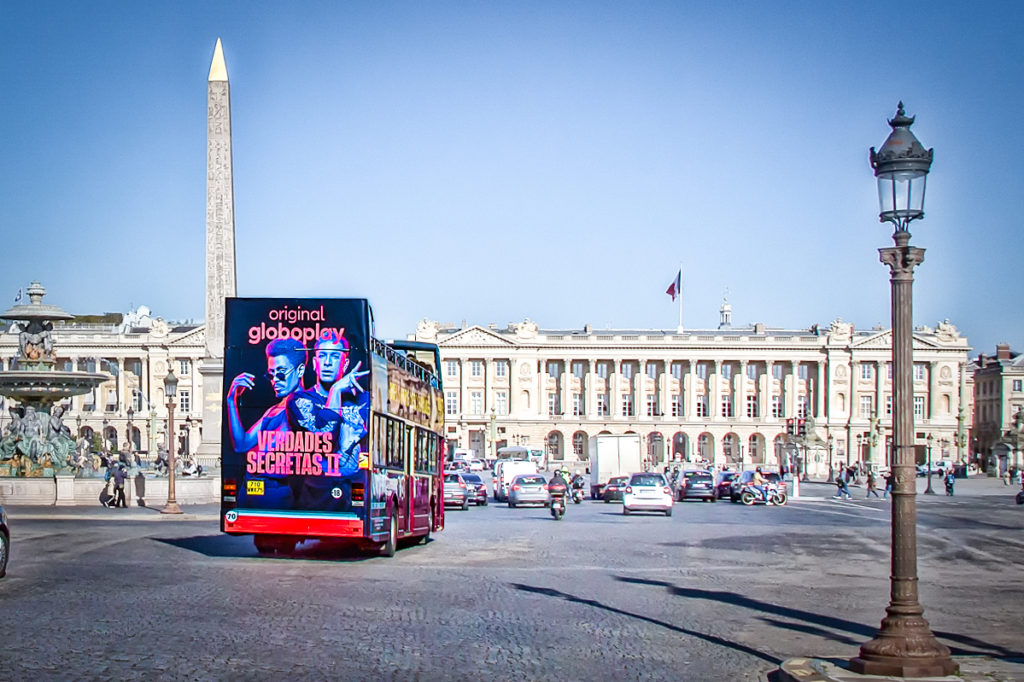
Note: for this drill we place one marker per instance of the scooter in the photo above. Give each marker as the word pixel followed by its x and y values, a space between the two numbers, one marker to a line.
pixel 577 495
pixel 1020 497
pixel 775 496
pixel 557 506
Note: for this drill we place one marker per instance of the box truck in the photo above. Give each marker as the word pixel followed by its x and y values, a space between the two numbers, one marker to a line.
pixel 610 456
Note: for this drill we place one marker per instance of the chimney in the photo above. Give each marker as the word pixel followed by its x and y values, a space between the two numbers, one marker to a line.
pixel 1003 351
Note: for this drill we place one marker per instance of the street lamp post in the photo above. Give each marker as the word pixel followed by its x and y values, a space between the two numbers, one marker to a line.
pixel 831 464
pixel 170 390
pixel 904 645
pixel 931 443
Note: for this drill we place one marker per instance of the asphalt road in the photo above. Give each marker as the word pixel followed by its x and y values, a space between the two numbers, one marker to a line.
pixel 716 592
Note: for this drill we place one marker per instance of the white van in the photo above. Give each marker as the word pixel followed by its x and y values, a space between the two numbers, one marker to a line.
pixel 507 469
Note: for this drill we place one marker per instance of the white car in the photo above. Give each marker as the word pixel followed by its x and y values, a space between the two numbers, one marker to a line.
pixel 647 492
pixel 476 465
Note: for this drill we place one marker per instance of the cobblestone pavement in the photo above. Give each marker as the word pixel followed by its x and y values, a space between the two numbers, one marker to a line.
pixel 716 592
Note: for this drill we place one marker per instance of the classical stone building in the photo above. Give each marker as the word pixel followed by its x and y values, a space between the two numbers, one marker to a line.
pixel 135 351
pixel 998 401
pixel 721 395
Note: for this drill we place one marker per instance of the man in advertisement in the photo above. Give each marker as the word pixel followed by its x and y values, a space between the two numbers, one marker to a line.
pixel 286 362
pixel 331 405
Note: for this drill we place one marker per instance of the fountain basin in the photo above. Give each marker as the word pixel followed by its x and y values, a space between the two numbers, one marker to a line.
pixel 47 387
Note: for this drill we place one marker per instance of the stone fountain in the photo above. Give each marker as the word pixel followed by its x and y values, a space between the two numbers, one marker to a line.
pixel 36 442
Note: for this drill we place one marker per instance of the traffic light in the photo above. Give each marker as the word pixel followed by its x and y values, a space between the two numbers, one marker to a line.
pixel 789 427
pixel 801 428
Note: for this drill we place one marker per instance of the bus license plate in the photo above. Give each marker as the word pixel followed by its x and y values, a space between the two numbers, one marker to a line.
pixel 254 487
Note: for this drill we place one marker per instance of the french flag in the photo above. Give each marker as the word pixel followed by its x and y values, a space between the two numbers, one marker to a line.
pixel 676 288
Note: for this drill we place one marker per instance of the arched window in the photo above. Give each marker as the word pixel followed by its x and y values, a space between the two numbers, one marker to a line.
pixel 731 450
pixel 524 400
pixel 655 448
pixel 579 445
pixel 554 442
pixel 680 445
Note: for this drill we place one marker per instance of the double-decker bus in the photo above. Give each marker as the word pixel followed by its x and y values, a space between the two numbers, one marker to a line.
pixel 328 433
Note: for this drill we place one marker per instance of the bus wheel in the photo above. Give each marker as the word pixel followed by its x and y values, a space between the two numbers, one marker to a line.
pixel 391 544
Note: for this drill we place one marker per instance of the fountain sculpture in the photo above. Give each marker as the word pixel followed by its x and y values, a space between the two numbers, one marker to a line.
pixel 36 442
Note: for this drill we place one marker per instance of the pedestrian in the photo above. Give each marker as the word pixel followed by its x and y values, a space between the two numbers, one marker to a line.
pixel 950 482
pixel 871 484
pixel 119 476
pixel 888 486
pixel 1006 477
pixel 105 496
pixel 846 484
pixel 843 492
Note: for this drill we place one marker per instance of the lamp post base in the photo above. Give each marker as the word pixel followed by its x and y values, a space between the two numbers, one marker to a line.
pixel 171 508
pixel 904 647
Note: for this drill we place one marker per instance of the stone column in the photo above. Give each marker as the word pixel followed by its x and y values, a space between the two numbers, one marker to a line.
pixel 933 390
pixel 567 387
pixel 794 378
pixel 640 390
pixel 880 373
pixel 740 393
pixel 613 394
pixel 590 392
pixel 820 392
pixel 688 389
pixel 854 398
pixel 768 390
pixel 715 399
pixel 666 389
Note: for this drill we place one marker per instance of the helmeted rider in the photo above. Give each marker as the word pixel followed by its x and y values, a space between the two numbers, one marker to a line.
pixel 558 485
pixel 760 483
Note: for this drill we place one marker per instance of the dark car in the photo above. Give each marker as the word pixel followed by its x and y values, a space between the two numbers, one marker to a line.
pixel 612 492
pixel 5 542
pixel 455 491
pixel 723 484
pixel 696 485
pixel 476 488
pixel 745 480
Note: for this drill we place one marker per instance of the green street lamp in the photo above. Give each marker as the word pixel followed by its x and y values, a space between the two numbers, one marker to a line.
pixel 170 390
pixel 904 645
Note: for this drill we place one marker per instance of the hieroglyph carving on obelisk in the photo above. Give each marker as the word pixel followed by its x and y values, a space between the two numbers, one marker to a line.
pixel 221 281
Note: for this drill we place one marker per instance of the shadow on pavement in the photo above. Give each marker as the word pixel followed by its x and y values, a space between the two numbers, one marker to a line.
pixel 226 546
pixel 556 594
pixel 808 620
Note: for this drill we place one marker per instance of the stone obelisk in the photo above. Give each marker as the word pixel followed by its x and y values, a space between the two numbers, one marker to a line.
pixel 221 280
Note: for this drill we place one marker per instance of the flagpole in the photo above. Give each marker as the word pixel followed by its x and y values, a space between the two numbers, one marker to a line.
pixel 679 329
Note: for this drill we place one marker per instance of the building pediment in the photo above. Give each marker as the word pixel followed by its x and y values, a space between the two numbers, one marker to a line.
pixel 191 338
pixel 883 339
pixel 475 336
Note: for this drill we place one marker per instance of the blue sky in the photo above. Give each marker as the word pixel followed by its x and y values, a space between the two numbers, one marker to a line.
pixel 487 161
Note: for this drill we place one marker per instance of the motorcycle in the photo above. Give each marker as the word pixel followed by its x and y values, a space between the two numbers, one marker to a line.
pixel 557 506
pixel 1020 497
pixel 577 495
pixel 774 495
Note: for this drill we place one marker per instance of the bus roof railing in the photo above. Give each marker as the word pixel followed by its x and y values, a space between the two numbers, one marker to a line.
pixel 390 352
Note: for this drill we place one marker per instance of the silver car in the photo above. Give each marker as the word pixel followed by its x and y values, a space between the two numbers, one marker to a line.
pixel 528 489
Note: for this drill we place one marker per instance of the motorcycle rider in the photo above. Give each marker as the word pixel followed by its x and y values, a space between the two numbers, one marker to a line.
pixel 558 486
pixel 760 483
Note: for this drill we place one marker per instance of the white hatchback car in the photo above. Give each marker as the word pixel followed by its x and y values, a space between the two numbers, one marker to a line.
pixel 647 492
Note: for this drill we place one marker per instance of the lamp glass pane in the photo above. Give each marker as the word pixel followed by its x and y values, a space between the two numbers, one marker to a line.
pixel 901 194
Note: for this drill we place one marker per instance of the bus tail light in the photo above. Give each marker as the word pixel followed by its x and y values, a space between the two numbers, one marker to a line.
pixel 230 486
pixel 358 492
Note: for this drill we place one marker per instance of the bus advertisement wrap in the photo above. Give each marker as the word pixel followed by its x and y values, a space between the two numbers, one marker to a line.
pixel 296 405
